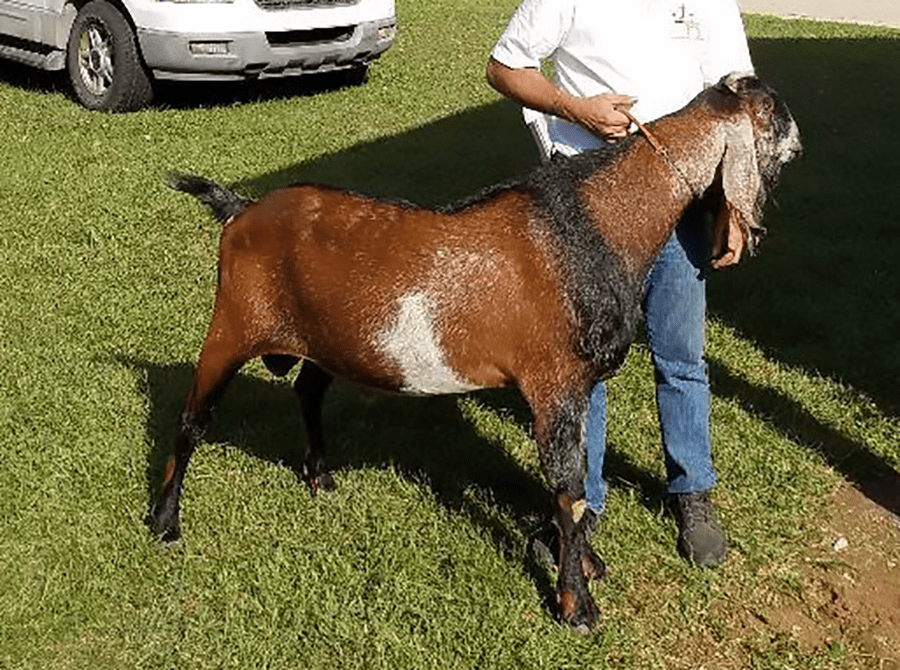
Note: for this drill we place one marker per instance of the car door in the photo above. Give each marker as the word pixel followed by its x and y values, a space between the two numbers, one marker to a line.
pixel 32 20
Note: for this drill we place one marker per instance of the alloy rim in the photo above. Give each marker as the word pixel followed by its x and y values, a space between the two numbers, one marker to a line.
pixel 95 61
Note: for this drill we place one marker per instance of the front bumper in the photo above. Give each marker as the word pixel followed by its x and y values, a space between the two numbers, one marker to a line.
pixel 231 56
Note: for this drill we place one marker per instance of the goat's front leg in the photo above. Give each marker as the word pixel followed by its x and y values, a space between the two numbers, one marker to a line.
pixel 559 430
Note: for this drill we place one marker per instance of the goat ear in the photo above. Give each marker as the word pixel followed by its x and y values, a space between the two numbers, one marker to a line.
pixel 741 183
pixel 735 82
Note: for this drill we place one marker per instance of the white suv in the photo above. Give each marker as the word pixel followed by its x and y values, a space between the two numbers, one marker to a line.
pixel 113 50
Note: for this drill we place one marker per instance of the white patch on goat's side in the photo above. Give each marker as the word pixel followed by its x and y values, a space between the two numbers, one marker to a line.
pixel 410 340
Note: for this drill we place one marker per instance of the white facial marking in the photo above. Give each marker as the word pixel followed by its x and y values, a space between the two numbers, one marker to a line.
pixel 410 340
pixel 790 145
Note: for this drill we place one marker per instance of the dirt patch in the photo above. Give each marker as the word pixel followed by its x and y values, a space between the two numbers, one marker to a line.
pixel 856 582
pixel 847 602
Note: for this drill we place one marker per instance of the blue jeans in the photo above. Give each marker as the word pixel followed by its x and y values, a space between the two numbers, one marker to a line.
pixel 675 316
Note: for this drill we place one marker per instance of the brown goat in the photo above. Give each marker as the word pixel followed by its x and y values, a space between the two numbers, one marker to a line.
pixel 536 284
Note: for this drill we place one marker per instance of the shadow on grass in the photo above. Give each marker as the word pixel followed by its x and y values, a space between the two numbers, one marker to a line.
pixel 823 292
pixel 32 79
pixel 190 95
pixel 425 439
pixel 871 474
pixel 435 164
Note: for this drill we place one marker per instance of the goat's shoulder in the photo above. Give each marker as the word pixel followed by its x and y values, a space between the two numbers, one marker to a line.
pixel 569 171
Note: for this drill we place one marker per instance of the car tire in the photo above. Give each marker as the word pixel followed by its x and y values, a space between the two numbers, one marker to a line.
pixel 103 61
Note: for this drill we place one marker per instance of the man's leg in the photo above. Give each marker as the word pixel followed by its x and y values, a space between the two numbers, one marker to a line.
pixel 675 307
pixel 595 446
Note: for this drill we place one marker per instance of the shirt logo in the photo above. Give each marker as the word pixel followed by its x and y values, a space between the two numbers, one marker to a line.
pixel 685 25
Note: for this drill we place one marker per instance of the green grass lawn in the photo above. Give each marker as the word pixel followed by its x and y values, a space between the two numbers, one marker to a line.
pixel 418 560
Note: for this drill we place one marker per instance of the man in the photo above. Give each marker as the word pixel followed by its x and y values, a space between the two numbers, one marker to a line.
pixel 649 58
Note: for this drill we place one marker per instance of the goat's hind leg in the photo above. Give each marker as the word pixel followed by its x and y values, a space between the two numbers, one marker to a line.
pixel 311 385
pixel 218 363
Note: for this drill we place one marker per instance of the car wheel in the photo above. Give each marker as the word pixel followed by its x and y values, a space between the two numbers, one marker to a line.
pixel 103 61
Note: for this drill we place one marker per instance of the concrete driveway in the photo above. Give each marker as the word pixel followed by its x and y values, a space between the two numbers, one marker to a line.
pixel 879 12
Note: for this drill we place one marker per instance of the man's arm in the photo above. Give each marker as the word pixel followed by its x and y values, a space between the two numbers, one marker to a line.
pixel 529 87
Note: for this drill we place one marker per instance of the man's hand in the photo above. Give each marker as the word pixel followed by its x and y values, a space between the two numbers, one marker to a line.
pixel 729 241
pixel 601 114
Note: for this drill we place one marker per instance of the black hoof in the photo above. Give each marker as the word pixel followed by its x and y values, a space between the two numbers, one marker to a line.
pixel 170 537
pixel 580 613
pixel 163 523
pixel 318 478
pixel 325 482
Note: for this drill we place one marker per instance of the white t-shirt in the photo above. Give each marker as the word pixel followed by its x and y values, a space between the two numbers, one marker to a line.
pixel 661 52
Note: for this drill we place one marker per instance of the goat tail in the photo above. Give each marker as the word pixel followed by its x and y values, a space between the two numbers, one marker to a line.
pixel 224 203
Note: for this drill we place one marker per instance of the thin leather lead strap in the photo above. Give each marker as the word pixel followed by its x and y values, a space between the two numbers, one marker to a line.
pixel 657 145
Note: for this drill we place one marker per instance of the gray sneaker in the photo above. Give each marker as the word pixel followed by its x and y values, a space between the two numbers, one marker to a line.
pixel 700 537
